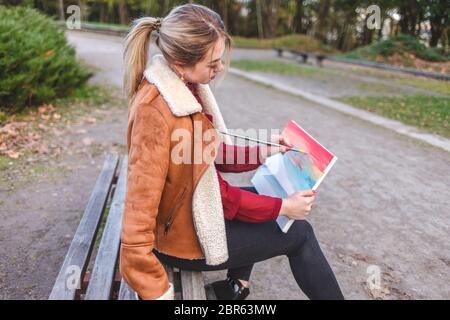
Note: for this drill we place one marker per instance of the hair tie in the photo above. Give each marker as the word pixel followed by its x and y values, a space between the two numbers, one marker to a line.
pixel 157 24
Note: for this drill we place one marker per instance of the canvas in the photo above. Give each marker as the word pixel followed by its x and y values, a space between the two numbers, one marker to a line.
pixel 283 174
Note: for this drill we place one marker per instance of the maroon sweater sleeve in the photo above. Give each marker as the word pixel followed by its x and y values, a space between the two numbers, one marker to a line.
pixel 233 158
pixel 237 158
pixel 247 206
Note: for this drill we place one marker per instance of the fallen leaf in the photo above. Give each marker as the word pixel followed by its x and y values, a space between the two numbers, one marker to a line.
pixel 91 120
pixel 42 149
pixel 42 109
pixel 87 141
pixel 13 154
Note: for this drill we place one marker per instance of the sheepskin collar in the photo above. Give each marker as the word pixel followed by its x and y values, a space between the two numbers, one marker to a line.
pixel 177 95
pixel 179 98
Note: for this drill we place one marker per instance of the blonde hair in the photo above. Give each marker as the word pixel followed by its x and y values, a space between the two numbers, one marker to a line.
pixel 184 37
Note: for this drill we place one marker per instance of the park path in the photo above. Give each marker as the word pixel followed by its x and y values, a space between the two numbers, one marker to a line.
pixel 385 203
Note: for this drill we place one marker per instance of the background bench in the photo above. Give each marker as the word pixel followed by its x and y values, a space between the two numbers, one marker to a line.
pixel 82 278
pixel 304 55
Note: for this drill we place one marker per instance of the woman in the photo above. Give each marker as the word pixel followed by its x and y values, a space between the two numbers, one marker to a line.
pixel 178 209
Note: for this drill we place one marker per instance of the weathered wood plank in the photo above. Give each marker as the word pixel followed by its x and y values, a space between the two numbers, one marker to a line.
pixel 77 258
pixel 125 292
pixel 102 276
pixel 193 286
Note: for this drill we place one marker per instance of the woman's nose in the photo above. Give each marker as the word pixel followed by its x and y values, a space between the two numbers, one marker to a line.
pixel 220 67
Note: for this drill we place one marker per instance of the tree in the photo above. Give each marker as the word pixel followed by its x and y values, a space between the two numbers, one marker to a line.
pixel 439 13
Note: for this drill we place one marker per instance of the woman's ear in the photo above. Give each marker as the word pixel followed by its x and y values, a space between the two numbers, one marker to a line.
pixel 180 70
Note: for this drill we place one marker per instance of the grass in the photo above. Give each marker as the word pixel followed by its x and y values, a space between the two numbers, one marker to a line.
pixel 378 87
pixel 274 66
pixel 101 227
pixel 437 86
pixel 429 113
pixel 73 109
pixel 121 27
pixel 292 41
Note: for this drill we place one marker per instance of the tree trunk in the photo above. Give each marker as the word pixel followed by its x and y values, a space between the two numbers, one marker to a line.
pixel 322 18
pixel 436 34
pixel 270 10
pixel 165 7
pixel 298 18
pixel 259 19
pixel 224 10
pixel 102 12
pixel 123 12
pixel 61 10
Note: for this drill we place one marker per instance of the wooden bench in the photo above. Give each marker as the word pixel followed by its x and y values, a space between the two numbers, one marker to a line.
pixel 81 278
pixel 304 55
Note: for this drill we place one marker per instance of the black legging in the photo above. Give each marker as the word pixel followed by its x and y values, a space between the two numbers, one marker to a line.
pixel 249 243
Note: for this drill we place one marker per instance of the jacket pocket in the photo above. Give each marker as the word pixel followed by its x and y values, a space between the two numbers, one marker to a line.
pixel 173 211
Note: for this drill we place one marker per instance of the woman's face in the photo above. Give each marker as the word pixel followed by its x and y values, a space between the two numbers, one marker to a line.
pixel 208 68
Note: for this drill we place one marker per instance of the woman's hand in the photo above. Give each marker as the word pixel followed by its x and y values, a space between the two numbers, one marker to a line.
pixel 298 205
pixel 267 151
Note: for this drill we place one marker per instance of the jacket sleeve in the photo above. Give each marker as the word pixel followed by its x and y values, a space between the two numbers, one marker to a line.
pixel 148 162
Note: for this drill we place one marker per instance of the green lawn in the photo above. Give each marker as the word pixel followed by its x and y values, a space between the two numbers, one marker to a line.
pixel 290 41
pixel 429 113
pixel 275 67
pixel 437 86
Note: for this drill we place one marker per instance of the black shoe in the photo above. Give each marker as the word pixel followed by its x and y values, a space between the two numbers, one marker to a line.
pixel 228 289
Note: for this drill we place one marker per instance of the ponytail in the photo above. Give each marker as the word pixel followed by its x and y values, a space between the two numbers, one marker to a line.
pixel 136 52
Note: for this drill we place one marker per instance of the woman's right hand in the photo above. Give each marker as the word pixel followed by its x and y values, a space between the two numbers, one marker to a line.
pixel 298 205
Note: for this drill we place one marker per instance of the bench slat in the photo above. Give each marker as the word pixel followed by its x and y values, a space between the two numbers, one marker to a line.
pixel 77 258
pixel 125 292
pixel 102 276
pixel 192 285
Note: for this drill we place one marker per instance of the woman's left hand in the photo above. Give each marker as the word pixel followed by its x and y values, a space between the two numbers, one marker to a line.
pixel 267 151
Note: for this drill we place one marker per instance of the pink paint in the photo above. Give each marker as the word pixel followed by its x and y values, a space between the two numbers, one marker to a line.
pixel 297 136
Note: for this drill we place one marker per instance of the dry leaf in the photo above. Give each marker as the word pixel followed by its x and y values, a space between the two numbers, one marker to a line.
pixel 87 141
pixel 42 109
pixel 42 149
pixel 91 120
pixel 13 154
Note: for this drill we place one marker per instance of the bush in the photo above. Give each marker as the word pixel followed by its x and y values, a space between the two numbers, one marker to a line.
pixel 36 63
pixel 400 44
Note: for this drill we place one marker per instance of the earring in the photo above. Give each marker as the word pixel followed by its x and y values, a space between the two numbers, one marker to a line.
pixel 182 77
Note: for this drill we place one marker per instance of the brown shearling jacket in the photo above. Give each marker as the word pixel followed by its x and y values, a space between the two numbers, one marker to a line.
pixel 159 200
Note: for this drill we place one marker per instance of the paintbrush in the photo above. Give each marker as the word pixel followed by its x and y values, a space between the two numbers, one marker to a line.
pixel 263 142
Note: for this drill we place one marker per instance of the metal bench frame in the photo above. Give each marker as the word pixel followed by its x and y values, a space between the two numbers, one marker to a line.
pixel 303 55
